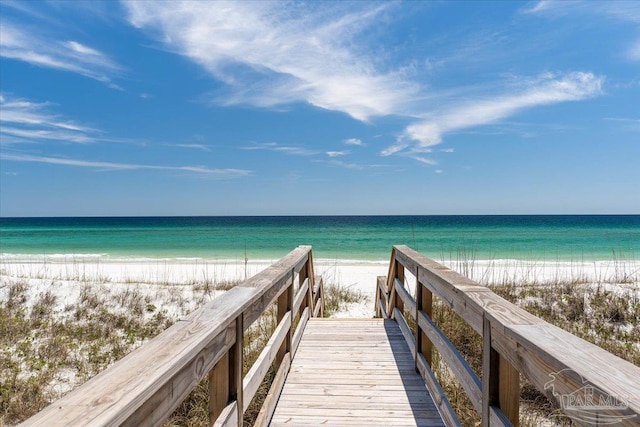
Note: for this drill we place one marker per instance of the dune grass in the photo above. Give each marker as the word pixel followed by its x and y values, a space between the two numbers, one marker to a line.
pixel 52 341
pixel 605 312
pixel 50 344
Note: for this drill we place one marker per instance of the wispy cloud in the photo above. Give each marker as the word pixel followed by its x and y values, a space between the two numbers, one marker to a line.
pixel 33 46
pixel 546 5
pixel 353 141
pixel 271 54
pixel 286 149
pixel 337 153
pixel 545 90
pixel 621 9
pixel 424 160
pixel 346 165
pixel 24 121
pixel 194 146
pixel 627 123
pixel 110 166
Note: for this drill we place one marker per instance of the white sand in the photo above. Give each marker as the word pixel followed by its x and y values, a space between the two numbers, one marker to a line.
pixel 65 275
pixel 176 286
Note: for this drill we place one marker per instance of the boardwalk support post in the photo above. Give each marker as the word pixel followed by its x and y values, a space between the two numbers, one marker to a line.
pixel 500 384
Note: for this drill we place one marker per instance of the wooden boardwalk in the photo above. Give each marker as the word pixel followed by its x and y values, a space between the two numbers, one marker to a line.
pixel 354 372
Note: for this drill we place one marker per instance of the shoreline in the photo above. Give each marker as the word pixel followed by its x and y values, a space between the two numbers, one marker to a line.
pixel 358 275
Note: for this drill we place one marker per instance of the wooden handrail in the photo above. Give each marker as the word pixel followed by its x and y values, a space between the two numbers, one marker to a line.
pixel 147 385
pixel 565 368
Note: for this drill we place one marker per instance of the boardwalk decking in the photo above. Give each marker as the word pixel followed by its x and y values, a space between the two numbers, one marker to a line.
pixel 354 372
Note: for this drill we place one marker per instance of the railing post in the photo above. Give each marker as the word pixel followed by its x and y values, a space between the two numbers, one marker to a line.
pixel 394 301
pixel 218 388
pixel 307 273
pixel 500 382
pixel 424 302
pixel 225 379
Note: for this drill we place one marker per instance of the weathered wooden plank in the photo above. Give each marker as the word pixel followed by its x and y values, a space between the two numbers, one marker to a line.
pixel 352 412
pixel 272 281
pixel 408 336
pixel 150 382
pixel 318 297
pixel 300 296
pixel 338 402
pixel 325 384
pixel 302 420
pixel 354 389
pixel 327 380
pixel 297 336
pixel 145 386
pixel 529 344
pixel 219 387
pixel 364 399
pixel 406 298
pixel 454 360
pixel 228 417
pixel 561 364
pixel 435 390
pixel 260 367
pixel 269 405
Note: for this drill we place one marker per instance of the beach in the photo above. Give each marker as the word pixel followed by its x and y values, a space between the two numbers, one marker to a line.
pixel 61 274
pixel 106 306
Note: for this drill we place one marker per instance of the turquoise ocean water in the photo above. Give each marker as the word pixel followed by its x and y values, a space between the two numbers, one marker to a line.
pixel 550 237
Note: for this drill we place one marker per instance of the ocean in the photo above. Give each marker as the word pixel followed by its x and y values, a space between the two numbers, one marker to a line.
pixel 526 237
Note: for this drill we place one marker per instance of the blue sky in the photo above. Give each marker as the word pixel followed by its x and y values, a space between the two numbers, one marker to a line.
pixel 295 108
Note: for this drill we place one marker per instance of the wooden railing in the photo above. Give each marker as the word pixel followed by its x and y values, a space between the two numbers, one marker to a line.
pixel 590 385
pixel 146 386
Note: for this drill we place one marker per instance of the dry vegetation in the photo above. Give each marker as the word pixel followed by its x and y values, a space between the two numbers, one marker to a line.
pixel 606 313
pixel 49 346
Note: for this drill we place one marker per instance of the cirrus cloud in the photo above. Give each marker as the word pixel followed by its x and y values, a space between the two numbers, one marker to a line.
pixel 271 54
pixel 545 90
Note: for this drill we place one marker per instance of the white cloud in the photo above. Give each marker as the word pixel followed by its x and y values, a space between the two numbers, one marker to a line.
pixel 426 161
pixel 26 121
pixel 626 123
pixel 353 141
pixel 547 89
pixel 196 146
pixel 287 149
pixel 347 165
pixel 32 46
pixel 337 153
pixel 110 166
pixel 276 53
pixel 546 5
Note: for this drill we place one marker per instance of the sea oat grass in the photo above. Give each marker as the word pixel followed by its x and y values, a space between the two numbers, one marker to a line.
pixel 607 318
